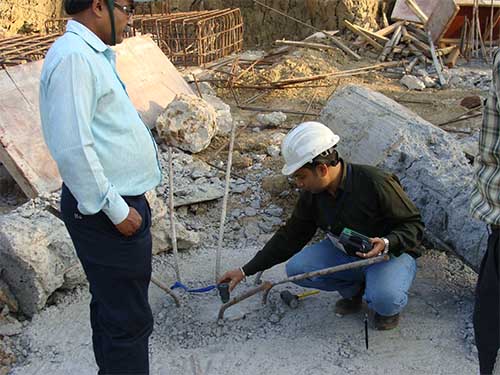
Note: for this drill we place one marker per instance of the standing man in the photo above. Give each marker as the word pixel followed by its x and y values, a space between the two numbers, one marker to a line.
pixel 485 206
pixel 338 195
pixel 107 159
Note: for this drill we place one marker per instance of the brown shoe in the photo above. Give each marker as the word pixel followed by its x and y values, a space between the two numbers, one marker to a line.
pixel 385 323
pixel 346 306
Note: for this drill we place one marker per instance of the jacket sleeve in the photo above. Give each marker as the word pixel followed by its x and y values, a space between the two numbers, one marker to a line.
pixel 405 226
pixel 288 240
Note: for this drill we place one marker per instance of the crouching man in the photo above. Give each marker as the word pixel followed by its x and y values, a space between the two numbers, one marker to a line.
pixel 338 195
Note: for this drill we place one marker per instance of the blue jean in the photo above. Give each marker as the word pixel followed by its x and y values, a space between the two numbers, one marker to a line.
pixel 387 283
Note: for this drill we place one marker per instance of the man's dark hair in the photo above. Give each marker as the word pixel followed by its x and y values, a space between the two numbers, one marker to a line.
pixel 76 6
pixel 329 157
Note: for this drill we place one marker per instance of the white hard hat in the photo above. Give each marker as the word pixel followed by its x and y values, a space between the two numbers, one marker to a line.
pixel 303 143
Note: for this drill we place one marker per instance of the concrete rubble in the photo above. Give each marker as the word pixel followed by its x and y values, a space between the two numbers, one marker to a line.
pixel 412 82
pixel 36 255
pixel 188 122
pixel 430 163
pixel 271 119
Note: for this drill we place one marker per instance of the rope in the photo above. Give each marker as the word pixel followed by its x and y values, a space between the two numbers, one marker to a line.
pixel 205 289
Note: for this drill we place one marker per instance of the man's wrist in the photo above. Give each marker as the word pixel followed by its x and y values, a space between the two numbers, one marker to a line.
pixel 386 248
pixel 243 273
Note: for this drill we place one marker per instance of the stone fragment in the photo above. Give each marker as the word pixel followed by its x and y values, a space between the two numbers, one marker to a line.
pixel 275 185
pixel 412 82
pixel 223 113
pixel 37 257
pixel 188 122
pixel 271 119
pixel 273 151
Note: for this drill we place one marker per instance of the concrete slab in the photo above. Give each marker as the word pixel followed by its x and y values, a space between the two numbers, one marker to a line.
pixel 151 80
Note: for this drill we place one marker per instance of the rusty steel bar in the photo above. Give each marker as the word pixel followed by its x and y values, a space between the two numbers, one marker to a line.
pixel 266 286
pixel 243 297
pixel 326 271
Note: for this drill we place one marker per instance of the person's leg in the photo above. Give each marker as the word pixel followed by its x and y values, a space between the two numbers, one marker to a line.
pixel 324 255
pixel 119 271
pixel 387 284
pixel 486 309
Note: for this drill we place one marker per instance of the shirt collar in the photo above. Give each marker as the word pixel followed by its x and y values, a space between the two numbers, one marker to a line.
pixel 346 181
pixel 87 35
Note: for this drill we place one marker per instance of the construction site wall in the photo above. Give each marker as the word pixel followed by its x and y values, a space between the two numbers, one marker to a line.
pixel 263 26
pixel 26 16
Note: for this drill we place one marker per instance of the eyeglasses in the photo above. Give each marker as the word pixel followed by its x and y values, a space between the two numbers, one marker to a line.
pixel 127 9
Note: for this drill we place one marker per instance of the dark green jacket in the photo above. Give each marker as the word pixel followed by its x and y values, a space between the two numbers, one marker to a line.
pixel 369 201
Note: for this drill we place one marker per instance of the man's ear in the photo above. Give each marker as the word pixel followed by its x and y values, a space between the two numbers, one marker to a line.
pixel 322 170
pixel 99 8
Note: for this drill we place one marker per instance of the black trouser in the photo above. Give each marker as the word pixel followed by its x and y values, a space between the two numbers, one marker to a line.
pixel 118 269
pixel 486 310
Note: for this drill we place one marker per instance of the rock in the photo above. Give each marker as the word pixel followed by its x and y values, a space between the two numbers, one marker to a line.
pixel 196 193
pixel 223 112
pixel 205 88
pixel 455 81
pixel 271 119
pixel 7 298
pixel 250 211
pixel 37 257
pixel 199 169
pixel 161 230
pixel 429 162
pixel 251 230
pixel 429 82
pixel 470 102
pixel 274 211
pixel 412 82
pixel 273 151
pixel 9 326
pixel 422 73
pixel 241 161
pixel 277 138
pixel 188 122
pixel 275 185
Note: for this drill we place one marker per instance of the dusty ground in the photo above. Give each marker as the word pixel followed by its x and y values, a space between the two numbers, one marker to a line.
pixel 435 334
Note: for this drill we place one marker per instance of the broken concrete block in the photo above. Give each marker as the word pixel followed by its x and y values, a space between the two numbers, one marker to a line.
pixel 429 82
pixel 275 185
pixel 412 82
pixel 9 326
pixel 188 122
pixel 271 119
pixel 161 230
pixel 429 162
pixel 273 151
pixel 37 257
pixel 223 112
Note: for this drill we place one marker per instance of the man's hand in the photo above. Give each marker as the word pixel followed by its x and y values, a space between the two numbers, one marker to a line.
pixel 233 277
pixel 131 224
pixel 378 248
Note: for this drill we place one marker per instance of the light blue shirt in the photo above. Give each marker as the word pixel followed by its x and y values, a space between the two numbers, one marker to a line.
pixel 102 148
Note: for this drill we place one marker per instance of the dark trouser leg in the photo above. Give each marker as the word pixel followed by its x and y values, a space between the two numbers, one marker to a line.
pixel 119 272
pixel 486 310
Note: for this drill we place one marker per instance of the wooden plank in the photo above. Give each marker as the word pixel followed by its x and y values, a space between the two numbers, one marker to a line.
pixel 362 34
pixel 152 82
pixel 440 13
pixel 441 19
pixel 418 12
pixel 402 12
pixel 389 29
pixel 22 148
